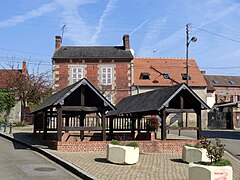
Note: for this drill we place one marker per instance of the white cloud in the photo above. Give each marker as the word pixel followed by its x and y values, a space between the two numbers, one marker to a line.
pixel 110 6
pixel 29 15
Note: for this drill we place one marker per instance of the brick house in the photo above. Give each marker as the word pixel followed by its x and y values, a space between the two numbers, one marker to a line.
pixel 16 112
pixel 225 90
pixel 152 73
pixel 106 67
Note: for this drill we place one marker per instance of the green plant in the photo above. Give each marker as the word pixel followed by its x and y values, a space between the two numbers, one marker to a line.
pixel 196 145
pixel 132 144
pixel 215 152
pixel 115 142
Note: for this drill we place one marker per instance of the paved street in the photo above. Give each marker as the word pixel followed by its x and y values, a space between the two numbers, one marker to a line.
pixel 152 166
pixel 17 162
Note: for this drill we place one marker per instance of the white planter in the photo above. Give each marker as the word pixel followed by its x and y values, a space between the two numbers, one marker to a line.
pixel 192 154
pixel 200 172
pixel 122 154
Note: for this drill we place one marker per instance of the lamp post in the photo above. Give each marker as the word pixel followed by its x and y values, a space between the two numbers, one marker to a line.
pixel 193 39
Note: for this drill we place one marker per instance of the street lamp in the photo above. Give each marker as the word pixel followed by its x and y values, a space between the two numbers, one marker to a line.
pixel 193 39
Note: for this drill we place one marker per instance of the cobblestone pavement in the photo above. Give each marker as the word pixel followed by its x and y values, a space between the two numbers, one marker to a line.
pixel 161 166
pixel 152 166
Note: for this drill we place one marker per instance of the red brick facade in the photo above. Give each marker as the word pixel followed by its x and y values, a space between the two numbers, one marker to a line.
pixel 119 88
pixel 90 61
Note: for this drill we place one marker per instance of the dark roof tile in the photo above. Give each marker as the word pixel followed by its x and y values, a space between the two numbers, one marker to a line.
pixel 88 52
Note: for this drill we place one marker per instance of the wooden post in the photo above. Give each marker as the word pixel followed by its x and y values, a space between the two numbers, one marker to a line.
pixel 139 124
pixel 199 124
pixel 59 123
pixel 103 126
pixel 67 121
pixel 163 128
pixel 44 125
pixel 82 117
pixel 133 120
pixel 111 126
pixel 34 123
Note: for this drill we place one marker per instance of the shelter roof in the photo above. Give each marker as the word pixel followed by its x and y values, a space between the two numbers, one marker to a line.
pixel 62 97
pixel 156 100
pixel 90 52
pixel 171 72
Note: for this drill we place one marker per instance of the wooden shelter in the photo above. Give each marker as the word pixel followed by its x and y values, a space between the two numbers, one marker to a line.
pixel 163 101
pixel 67 110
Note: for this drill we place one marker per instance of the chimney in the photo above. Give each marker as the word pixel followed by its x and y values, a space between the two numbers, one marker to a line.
pixel 126 42
pixel 24 67
pixel 203 73
pixel 58 42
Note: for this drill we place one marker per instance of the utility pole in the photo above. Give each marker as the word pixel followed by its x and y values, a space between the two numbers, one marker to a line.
pixel 193 39
pixel 187 44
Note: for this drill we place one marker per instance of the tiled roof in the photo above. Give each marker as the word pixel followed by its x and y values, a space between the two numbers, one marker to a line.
pixel 210 87
pixel 5 74
pixel 173 67
pixel 227 81
pixel 88 52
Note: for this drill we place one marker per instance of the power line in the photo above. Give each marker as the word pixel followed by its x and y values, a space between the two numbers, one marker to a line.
pixel 224 37
pixel 5 49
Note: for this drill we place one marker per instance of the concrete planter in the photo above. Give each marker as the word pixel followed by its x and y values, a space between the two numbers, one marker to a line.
pixel 192 154
pixel 199 172
pixel 122 154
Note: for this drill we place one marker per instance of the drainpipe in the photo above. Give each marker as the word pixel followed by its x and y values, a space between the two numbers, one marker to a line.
pixel 131 78
pixel 138 89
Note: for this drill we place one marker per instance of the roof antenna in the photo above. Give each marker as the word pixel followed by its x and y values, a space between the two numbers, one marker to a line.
pixel 62 29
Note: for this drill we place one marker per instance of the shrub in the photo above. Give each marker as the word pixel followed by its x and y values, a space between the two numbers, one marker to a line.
pixel 132 144
pixel 152 123
pixel 115 142
pixel 215 152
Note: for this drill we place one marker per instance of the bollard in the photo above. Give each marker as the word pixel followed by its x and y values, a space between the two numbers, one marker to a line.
pixel 5 127
pixel 0 126
pixel 10 129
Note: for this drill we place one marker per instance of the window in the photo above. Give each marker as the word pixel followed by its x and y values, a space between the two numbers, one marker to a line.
pixel 106 75
pixel 166 76
pixel 108 96
pixel 77 74
pixel 231 82
pixel 184 77
pixel 215 81
pixel 144 76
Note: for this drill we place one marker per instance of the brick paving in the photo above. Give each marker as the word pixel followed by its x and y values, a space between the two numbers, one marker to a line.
pixel 150 166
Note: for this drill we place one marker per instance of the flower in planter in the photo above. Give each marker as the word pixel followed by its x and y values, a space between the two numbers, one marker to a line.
pixel 215 152
pixel 217 168
pixel 152 123
pixel 123 153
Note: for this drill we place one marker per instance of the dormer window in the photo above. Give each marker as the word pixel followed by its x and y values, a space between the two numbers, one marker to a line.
pixel 144 76
pixel 166 76
pixel 184 77
pixel 215 81
pixel 231 82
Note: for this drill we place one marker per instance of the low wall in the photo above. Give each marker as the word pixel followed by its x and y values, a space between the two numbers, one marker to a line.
pixel 155 146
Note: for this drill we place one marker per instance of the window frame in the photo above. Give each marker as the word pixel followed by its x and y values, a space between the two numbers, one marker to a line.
pixel 79 73
pixel 106 75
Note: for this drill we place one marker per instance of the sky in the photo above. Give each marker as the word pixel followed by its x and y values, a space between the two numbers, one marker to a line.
pixel 157 28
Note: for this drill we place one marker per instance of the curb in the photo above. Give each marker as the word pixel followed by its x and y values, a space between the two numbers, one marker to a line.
pixel 70 167
pixel 232 156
